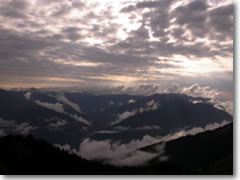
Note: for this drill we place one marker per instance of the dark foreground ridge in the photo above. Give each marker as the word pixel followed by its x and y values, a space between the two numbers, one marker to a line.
pixel 210 152
pixel 206 153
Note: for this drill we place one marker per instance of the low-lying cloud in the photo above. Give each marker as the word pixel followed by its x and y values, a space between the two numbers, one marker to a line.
pixel 28 95
pixel 10 126
pixel 63 99
pixel 129 154
pixel 123 116
pixel 56 107
pixel 119 154
pixel 80 119
pixel 131 101
pixel 120 129
pixel 150 106
pixel 213 95
pixel 56 123
pixel 223 105
pixel 193 131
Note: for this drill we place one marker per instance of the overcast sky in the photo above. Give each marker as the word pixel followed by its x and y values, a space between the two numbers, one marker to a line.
pixel 111 43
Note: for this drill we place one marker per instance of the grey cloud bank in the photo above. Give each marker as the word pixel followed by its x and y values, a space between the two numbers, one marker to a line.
pixel 135 47
pixel 70 43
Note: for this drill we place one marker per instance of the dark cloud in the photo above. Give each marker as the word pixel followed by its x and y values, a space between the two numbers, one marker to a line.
pixel 141 32
pixel 128 9
pixel 199 5
pixel 14 9
pixel 190 17
pixel 62 11
pixel 154 4
pixel 78 4
pixel 221 20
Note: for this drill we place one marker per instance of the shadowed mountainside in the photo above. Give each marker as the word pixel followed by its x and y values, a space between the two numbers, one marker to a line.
pixel 209 152
pixel 59 117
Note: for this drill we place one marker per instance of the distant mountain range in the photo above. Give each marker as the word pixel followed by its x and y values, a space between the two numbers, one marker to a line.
pixel 70 117
pixel 113 129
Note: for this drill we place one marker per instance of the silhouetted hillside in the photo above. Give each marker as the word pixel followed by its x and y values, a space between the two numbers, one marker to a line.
pixel 26 155
pixel 21 155
pixel 210 152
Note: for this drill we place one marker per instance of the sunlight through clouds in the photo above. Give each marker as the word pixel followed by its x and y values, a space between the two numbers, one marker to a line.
pixel 116 42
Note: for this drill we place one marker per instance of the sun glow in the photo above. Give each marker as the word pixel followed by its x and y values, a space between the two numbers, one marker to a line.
pixel 76 63
pixel 119 78
pixel 195 67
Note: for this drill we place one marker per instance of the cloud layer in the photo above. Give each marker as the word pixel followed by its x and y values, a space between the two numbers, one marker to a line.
pixel 120 154
pixel 86 43
pixel 10 126
pixel 150 106
pixel 58 107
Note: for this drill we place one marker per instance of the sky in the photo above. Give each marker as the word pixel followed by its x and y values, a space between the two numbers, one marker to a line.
pixel 97 43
